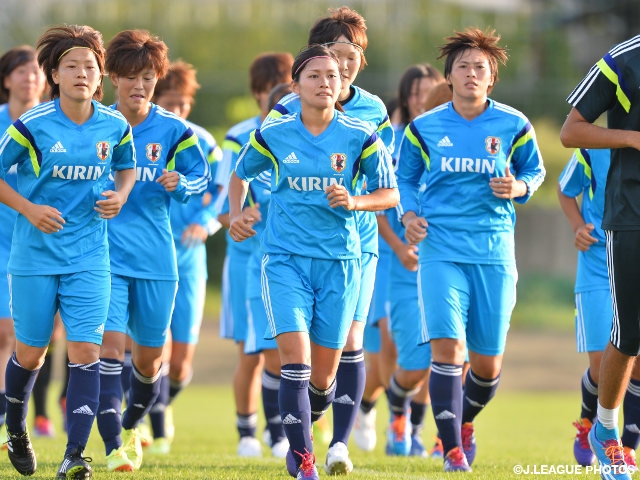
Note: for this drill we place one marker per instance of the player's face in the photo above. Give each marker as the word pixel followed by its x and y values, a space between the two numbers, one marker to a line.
pixel 471 75
pixel 418 96
pixel 350 60
pixel 26 82
pixel 78 75
pixel 135 90
pixel 176 102
pixel 319 83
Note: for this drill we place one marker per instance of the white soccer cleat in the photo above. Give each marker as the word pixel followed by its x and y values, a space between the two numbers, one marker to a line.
pixel 364 430
pixel 338 462
pixel 249 447
pixel 280 448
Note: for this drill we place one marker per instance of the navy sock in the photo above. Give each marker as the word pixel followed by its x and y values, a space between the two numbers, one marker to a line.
pixel 41 387
pixel 83 400
pixel 445 388
pixel 19 384
pixel 295 407
pixel 126 376
pixel 320 400
pixel 477 393
pixel 3 407
pixel 156 414
pixel 247 424
pixel 144 391
pixel 589 390
pixel 270 387
pixel 631 415
pixel 175 387
pixel 109 417
pixel 350 378
pixel 366 406
pixel 418 411
pixel 399 397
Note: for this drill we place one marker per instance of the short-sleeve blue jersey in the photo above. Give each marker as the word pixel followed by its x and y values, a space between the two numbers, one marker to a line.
pixel 586 175
pixel 7 214
pixel 369 108
pixel 467 223
pixel 300 221
pixel 190 259
pixel 140 236
pixel 64 165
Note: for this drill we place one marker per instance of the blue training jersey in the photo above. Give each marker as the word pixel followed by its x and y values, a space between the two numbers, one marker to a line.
pixel 193 259
pixel 300 221
pixel 369 108
pixel 64 165
pixel 586 175
pixel 7 214
pixel 140 236
pixel 467 223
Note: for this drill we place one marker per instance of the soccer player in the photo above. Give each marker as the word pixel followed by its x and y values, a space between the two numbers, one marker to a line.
pixel 21 86
pixel 477 157
pixel 318 156
pixel 191 224
pixel 144 275
pixel 344 32
pixel 60 246
pixel 258 368
pixel 612 86
pixel 585 176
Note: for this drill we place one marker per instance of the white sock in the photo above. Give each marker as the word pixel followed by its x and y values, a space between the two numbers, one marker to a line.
pixel 608 417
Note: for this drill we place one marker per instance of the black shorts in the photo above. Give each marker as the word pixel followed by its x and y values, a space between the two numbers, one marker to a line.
pixel 623 261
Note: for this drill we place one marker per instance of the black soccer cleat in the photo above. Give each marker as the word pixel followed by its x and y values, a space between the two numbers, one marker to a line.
pixel 21 453
pixel 75 466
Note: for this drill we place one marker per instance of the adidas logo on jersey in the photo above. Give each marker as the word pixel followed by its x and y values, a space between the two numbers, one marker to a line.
pixel 84 410
pixel 344 400
pixel 445 142
pixel 445 415
pixel 290 420
pixel 58 148
pixel 291 158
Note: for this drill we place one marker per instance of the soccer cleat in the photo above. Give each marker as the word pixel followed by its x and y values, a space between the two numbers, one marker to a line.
pixel 321 432
pixel 249 447
pixel 437 451
pixel 75 466
pixel 43 427
pixel 630 459
pixel 398 436
pixel 456 461
pixel 581 449
pixel 21 453
pixel 417 447
pixel 145 434
pixel 280 448
pixel 117 461
pixel 307 469
pixel 364 430
pixel 132 446
pixel 160 446
pixel 338 462
pixel 610 455
pixel 468 442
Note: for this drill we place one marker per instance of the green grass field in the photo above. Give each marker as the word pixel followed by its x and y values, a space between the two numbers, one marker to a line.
pixel 528 429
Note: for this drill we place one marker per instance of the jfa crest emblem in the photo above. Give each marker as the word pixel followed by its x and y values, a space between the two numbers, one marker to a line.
pixel 153 151
pixel 492 144
pixel 102 150
pixel 338 162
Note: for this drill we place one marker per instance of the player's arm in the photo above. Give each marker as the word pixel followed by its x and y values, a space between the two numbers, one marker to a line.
pixel 240 223
pixel 579 132
pixel 583 238
pixel 113 200
pixel 407 254
pixel 43 217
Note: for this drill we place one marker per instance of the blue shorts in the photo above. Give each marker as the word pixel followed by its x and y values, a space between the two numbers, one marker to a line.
pixel 367 284
pixel 317 296
pixel 380 298
pixel 594 315
pixel 5 309
pixel 189 308
pixel 81 297
pixel 141 308
pixel 258 329
pixel 405 328
pixel 233 317
pixel 467 301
